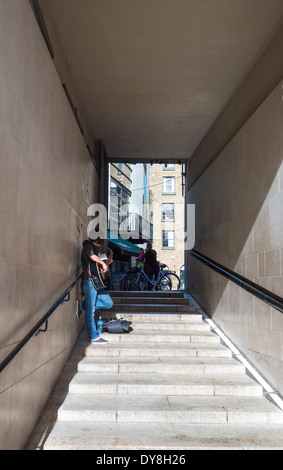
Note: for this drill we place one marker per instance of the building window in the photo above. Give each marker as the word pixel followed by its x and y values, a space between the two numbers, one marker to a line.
pixel 168 239
pixel 169 166
pixel 119 197
pixel 168 212
pixel 168 185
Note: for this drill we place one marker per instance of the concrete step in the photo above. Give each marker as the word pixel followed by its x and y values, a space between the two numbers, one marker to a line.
pixel 163 384
pixel 174 409
pixel 143 336
pixel 163 436
pixel 169 384
pixel 143 294
pixel 153 318
pixel 133 349
pixel 169 326
pixel 151 300
pixel 165 365
pixel 151 308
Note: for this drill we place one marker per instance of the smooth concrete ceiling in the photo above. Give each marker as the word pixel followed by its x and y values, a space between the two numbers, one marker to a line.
pixel 153 75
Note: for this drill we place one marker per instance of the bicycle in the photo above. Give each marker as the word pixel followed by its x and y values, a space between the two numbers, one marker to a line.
pixel 139 281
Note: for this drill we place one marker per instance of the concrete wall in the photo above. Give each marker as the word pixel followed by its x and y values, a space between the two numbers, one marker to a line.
pixel 255 88
pixel 239 223
pixel 47 182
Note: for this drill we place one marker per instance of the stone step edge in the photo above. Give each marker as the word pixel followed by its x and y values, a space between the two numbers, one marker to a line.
pixel 185 337
pixel 207 386
pixel 138 293
pixel 151 297
pixel 81 408
pixel 169 326
pixel 200 350
pixel 194 365
pixel 183 369
pixel 163 436
pixel 155 306
pixel 155 316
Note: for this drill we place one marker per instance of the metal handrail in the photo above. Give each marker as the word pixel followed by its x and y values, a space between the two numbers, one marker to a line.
pixel 261 293
pixel 36 329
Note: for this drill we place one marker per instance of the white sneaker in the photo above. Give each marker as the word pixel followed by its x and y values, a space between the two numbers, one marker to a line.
pixel 99 341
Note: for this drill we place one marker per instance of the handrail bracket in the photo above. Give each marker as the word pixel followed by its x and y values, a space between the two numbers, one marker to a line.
pixel 42 330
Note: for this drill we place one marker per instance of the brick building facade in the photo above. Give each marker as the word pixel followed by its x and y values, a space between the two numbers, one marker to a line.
pixel 167 209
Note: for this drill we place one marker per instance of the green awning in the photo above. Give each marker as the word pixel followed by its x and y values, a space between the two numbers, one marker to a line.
pixel 127 248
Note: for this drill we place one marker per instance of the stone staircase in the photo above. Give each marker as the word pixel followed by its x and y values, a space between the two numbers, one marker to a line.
pixel 169 384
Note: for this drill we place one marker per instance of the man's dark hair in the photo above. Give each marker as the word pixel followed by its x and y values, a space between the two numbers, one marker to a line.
pixel 97 239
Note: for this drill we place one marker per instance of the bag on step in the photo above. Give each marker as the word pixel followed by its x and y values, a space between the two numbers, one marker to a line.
pixel 117 326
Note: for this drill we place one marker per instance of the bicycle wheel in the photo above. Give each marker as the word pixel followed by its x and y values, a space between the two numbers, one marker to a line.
pixel 122 282
pixel 131 282
pixel 169 281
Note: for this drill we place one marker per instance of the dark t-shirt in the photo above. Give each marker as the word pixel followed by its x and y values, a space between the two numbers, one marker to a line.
pixel 88 250
pixel 150 260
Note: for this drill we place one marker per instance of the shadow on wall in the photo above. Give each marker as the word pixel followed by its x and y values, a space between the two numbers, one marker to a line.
pixel 239 201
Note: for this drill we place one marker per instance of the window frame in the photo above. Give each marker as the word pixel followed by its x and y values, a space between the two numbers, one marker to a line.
pixel 172 178
pixel 168 239
pixel 167 168
pixel 163 216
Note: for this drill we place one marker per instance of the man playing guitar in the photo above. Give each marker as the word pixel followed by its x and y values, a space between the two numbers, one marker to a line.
pixel 93 286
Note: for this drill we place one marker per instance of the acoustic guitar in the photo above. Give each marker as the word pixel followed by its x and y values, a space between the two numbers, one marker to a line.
pixel 107 260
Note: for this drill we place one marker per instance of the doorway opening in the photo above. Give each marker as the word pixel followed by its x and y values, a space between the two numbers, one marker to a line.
pixel 146 204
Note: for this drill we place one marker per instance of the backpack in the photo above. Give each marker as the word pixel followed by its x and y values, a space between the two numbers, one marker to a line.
pixel 117 326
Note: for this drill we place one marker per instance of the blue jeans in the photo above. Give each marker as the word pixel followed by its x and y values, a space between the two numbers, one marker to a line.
pixel 94 300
